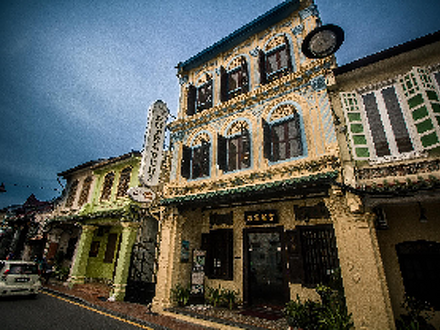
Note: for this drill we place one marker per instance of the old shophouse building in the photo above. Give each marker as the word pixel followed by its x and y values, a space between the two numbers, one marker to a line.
pixel 388 113
pixel 114 237
pixel 254 158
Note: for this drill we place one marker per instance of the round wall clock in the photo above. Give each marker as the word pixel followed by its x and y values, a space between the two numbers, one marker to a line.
pixel 323 41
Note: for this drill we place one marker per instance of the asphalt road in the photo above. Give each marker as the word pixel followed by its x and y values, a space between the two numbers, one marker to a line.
pixel 48 313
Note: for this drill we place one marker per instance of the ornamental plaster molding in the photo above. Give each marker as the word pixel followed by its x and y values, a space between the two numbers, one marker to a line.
pixel 299 169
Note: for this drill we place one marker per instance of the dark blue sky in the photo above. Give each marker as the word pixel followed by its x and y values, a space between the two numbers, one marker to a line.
pixel 77 77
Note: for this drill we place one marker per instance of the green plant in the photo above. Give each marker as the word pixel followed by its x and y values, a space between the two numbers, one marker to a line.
pixel 61 273
pixel 229 297
pixel 330 314
pixel 180 294
pixel 418 314
pixel 213 296
pixel 303 315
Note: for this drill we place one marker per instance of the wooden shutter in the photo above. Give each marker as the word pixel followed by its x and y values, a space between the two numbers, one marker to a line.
pixel 111 245
pixel 244 76
pixel 206 246
pixel 223 84
pixel 356 130
pixel 262 66
pixel 267 132
pixel 289 58
pixel 205 161
pixel 221 152
pixel 191 100
pixel 294 257
pixel 185 169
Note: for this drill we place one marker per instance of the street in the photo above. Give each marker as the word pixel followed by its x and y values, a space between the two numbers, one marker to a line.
pixel 47 312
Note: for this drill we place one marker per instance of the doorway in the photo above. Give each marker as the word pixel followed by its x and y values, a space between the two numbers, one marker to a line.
pixel 264 266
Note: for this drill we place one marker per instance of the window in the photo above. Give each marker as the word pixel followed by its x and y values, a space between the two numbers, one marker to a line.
pixel 124 182
pixel 107 186
pixel 196 161
pixel 313 254
pixel 219 254
pixel 275 62
pixel 94 249
pixel 199 98
pixel 204 96
pixel 394 121
pixel 234 151
pixel 235 81
pixel 283 139
pixel 385 119
pixel 72 193
pixel 83 197
pixel 420 267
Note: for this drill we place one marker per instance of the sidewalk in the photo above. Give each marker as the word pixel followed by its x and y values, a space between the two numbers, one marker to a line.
pixel 95 296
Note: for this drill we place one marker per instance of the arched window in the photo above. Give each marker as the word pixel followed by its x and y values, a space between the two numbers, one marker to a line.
pixel 234 150
pixel 196 159
pixel 283 138
pixel 83 197
pixel 107 186
pixel 72 193
pixel 420 267
pixel 124 181
pixel 234 80
pixel 275 60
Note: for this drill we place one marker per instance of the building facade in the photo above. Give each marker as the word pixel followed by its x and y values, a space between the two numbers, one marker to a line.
pixel 254 161
pixel 110 226
pixel 387 107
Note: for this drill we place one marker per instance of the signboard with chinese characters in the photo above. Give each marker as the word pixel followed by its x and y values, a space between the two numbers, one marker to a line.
pixel 141 194
pixel 153 145
pixel 261 217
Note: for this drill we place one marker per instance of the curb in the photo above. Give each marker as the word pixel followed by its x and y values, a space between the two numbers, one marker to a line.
pixel 214 319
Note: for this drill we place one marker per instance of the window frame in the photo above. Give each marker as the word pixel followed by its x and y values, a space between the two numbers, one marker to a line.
pixel 269 137
pixel 272 75
pixel 190 161
pixel 388 130
pixel 208 102
pixel 219 257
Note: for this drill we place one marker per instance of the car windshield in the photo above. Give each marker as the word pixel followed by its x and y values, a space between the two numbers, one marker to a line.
pixel 23 269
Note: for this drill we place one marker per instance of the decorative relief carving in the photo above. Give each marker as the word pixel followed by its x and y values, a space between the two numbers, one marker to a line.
pixel 237 127
pixel 397 170
pixel 297 30
pixel 296 81
pixel 283 111
pixel 301 168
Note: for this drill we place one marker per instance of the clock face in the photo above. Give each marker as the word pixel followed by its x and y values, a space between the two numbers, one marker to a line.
pixel 323 41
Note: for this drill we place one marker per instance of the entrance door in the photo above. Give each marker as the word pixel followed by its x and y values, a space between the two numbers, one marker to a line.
pixel 264 266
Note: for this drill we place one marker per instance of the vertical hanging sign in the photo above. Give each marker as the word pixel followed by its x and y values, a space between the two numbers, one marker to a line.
pixel 153 145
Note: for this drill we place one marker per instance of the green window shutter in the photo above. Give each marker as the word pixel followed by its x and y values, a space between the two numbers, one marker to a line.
pixel 423 103
pixel 355 126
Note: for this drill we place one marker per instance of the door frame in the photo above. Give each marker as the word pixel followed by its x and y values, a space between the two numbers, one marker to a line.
pixel 246 290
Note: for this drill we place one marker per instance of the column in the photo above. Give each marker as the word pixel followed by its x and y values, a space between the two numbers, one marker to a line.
pixel 79 268
pixel 129 231
pixel 168 258
pixel 363 275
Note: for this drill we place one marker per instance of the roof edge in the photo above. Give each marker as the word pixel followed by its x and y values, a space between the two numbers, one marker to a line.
pixel 263 21
pixel 388 53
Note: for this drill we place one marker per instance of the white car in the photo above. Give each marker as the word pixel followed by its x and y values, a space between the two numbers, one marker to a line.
pixel 19 278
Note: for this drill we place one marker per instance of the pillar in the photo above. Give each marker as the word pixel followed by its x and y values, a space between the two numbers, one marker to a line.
pixel 79 268
pixel 168 259
pixel 363 275
pixel 129 231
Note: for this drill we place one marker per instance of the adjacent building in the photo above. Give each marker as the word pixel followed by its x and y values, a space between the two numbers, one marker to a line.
pixel 387 109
